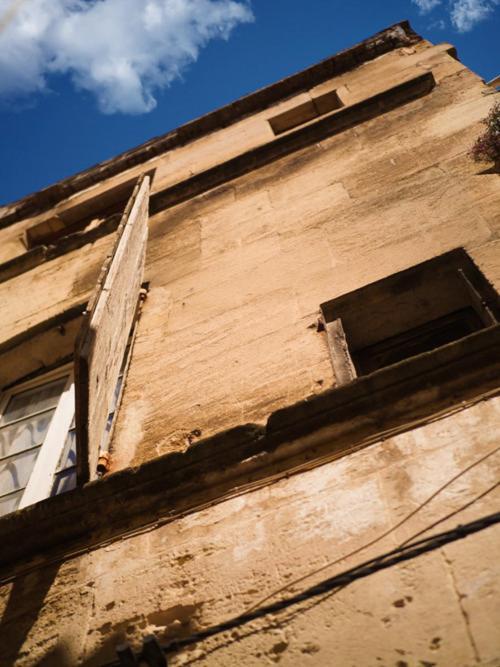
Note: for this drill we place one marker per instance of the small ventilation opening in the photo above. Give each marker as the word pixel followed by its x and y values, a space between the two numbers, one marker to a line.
pixel 302 113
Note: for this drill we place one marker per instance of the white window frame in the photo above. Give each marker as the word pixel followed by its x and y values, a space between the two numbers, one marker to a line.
pixel 42 476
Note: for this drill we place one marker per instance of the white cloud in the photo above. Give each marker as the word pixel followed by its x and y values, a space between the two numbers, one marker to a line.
pixel 122 51
pixel 426 6
pixel 466 13
pixel 437 25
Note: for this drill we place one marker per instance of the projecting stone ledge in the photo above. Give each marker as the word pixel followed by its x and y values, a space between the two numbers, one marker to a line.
pixel 323 427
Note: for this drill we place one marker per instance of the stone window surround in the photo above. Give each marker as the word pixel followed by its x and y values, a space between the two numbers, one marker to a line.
pixel 318 105
pixel 100 346
pixel 414 299
pixel 41 479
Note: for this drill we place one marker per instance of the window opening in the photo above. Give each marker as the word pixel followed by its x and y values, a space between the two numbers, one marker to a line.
pixel 65 474
pixel 409 313
pixel 27 414
pixel 37 430
pixel 83 216
pixel 421 339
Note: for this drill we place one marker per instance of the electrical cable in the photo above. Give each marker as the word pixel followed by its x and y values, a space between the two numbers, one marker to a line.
pixel 328 595
pixel 369 567
pixel 380 537
pixel 451 514
pixel 249 487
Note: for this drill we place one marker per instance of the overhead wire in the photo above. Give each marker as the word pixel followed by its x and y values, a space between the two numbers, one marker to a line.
pixel 380 537
pixel 451 514
pixel 248 487
pixel 339 584
pixel 389 559
pixel 448 516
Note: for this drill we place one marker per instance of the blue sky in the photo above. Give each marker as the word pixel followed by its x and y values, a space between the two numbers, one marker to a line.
pixel 61 112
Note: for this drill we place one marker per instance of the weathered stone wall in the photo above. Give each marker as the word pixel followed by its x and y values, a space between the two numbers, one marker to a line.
pixel 237 274
pixel 249 132
pixel 228 335
pixel 441 609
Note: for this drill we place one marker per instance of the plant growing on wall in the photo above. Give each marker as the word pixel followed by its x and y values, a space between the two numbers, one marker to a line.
pixel 487 146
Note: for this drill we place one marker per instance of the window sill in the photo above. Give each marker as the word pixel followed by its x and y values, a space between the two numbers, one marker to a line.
pixel 320 428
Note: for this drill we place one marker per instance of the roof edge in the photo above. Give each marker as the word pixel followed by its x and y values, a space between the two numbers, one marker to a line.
pixel 395 36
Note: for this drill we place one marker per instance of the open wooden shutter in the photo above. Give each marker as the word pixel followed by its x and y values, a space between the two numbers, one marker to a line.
pixel 101 344
pixel 343 367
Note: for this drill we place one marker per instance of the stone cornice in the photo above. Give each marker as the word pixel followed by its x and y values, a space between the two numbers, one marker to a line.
pixel 254 158
pixel 396 36
pixel 320 129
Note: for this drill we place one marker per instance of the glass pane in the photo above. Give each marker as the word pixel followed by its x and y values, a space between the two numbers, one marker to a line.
pixel 117 392
pixel 10 503
pixel 24 434
pixel 15 472
pixel 33 400
pixel 64 481
pixel 68 456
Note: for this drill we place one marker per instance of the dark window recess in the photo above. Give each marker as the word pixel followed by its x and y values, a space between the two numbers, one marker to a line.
pixel 421 339
pixel 409 313
pixel 80 217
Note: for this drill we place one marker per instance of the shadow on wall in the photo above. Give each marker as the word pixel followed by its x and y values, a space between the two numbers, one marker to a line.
pixel 175 622
pixel 198 653
pixel 178 622
pixel 25 602
pixel 32 615
pixel 57 656
pixel 495 169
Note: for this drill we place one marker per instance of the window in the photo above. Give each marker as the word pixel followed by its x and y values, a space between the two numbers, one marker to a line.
pixel 56 426
pixel 38 437
pixel 316 106
pixel 36 443
pixel 407 314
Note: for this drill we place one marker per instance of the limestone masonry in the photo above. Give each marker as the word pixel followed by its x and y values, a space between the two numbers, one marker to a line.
pixel 271 341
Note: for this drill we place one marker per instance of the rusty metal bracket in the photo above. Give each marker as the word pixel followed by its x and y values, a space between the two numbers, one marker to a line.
pixel 126 656
pixel 152 653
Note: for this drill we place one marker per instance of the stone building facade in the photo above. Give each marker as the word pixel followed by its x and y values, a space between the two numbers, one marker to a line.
pixel 278 326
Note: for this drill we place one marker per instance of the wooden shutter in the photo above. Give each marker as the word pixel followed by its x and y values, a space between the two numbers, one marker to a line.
pixel 101 344
pixel 343 367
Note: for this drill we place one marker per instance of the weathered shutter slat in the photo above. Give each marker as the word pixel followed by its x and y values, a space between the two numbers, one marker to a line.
pixel 103 338
pixel 343 367
pixel 481 306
